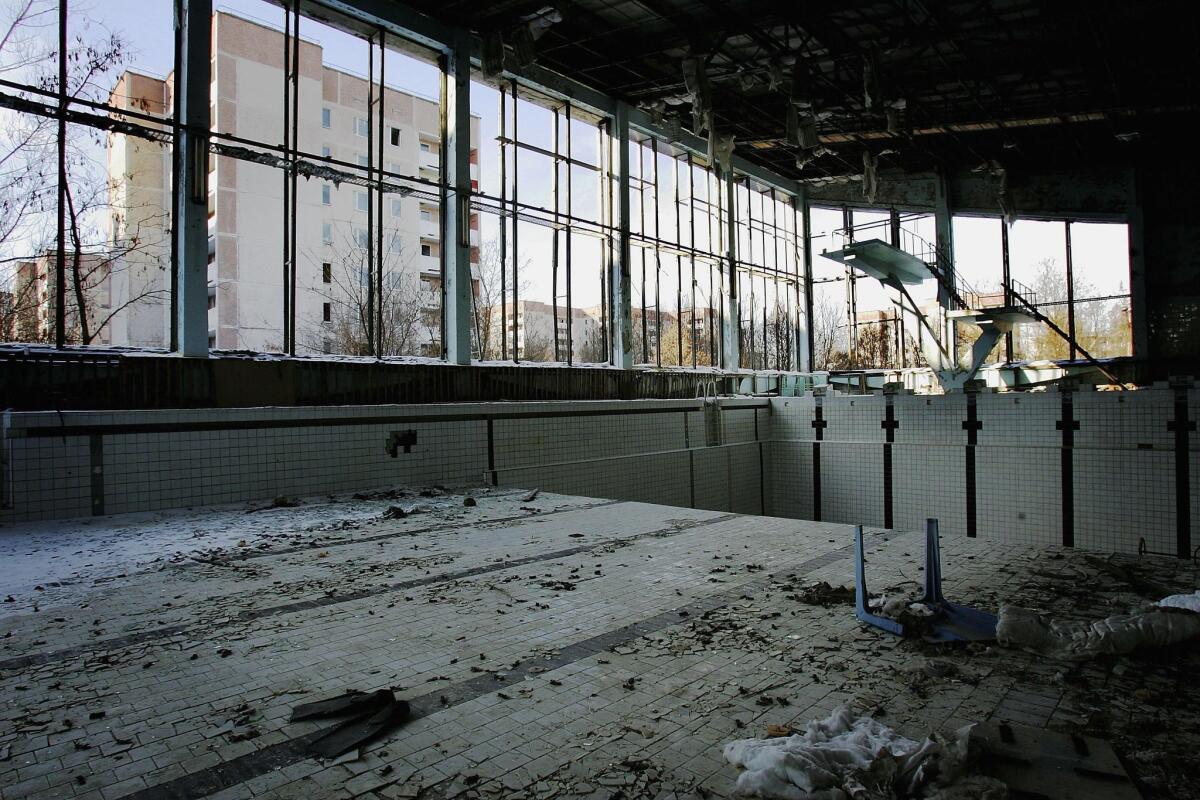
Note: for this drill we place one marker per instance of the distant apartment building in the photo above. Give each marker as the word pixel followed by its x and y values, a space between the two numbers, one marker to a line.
pixel 246 218
pixel 30 308
pixel 538 329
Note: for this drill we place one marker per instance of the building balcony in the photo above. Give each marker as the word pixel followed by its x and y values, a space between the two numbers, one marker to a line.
pixel 429 265
pixel 430 229
pixel 429 160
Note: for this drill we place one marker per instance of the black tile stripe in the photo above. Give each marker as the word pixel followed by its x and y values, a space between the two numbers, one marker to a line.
pixel 1068 425
pixel 819 424
pixel 972 425
pixel 244 768
pixel 96 464
pixel 37 659
pixel 325 544
pixel 491 436
pixel 1181 426
pixel 324 422
pixel 816 480
pixel 889 425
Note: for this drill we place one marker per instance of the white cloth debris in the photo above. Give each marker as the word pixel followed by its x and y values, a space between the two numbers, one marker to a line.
pixel 1123 633
pixel 1189 601
pixel 842 757
pixel 896 606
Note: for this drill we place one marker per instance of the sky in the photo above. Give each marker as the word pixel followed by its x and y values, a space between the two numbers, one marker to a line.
pixel 1100 251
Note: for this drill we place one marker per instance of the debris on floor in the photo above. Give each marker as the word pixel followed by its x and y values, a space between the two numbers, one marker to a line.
pixel 1146 627
pixel 1029 759
pixel 824 595
pixel 843 756
pixel 1189 602
pixel 745 641
pixel 370 715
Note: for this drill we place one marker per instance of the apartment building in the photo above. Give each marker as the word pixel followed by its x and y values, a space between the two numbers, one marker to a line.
pixel 246 210
pixel 28 311
pixel 539 329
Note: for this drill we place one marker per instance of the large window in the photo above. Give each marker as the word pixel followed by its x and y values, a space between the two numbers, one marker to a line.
pixel 1075 274
pixel 858 323
pixel 677 226
pixel 326 192
pixel 98 275
pixel 544 236
pixel 769 280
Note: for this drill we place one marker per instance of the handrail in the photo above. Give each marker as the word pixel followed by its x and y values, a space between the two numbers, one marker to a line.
pixel 965 296
pixel 1040 317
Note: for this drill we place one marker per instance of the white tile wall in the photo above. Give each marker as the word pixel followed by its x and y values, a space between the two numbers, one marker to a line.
pixel 929 481
pixel 1019 494
pixel 1123 465
pixel 1123 460
pixel 852 479
pixel 713 489
pixel 789 493
pixel 633 456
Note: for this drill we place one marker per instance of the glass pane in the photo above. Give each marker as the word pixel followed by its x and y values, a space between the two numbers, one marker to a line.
pixel 588 332
pixel 830 342
pixel 670 333
pixel 116 251
pixel 1037 263
pixel 490 320
pixel 1102 327
pixel 826 224
pixel 1099 259
pixel 537 329
pixel 979 273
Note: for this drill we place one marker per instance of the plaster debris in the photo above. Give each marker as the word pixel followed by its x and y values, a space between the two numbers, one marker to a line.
pixel 721 147
pixel 870 175
pixel 1146 627
pixel 492 54
pixel 841 757
pixel 695 79
pixel 1191 602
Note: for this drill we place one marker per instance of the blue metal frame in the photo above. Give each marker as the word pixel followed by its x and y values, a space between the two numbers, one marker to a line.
pixel 952 622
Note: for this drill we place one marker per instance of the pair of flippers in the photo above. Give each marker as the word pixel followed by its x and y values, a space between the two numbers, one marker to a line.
pixel 368 716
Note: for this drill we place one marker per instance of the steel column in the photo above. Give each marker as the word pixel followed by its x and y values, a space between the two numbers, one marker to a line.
pixel 806 361
pixel 730 346
pixel 193 19
pixel 943 223
pixel 619 278
pixel 1139 322
pixel 457 158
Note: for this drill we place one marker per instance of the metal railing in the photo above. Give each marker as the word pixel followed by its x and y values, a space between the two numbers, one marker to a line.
pixel 964 296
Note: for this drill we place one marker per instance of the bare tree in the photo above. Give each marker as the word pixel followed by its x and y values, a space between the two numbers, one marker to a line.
pixel 488 329
pixel 107 237
pixel 828 325
pixel 411 316
pixel 876 346
pixel 591 350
